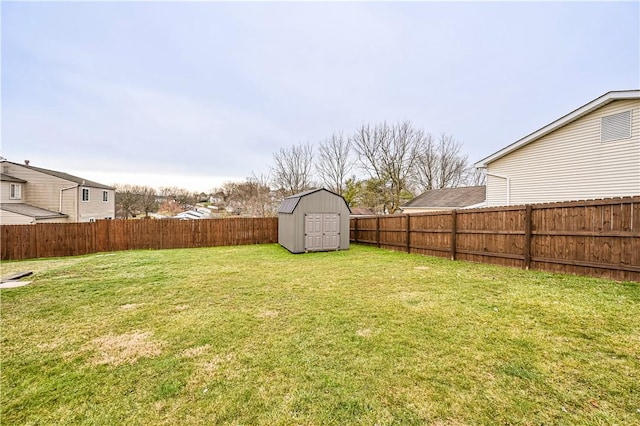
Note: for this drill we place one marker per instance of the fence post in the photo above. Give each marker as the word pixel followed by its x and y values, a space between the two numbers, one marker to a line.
pixel 527 236
pixel 408 233
pixel 454 230
pixel 355 229
pixel 378 231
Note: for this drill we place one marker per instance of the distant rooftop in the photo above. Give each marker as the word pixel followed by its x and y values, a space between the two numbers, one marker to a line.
pixel 449 197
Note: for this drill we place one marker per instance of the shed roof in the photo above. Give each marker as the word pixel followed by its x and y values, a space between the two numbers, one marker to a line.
pixel 65 176
pixel 599 102
pixel 31 211
pixel 6 178
pixel 290 203
pixel 449 197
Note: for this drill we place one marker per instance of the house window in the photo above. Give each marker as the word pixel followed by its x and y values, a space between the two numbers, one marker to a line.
pixel 85 194
pixel 105 196
pixel 615 127
pixel 15 192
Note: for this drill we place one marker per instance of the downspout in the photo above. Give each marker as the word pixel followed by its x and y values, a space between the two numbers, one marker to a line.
pixel 508 184
pixel 64 189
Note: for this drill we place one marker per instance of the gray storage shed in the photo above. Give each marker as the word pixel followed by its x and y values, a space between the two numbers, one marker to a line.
pixel 315 220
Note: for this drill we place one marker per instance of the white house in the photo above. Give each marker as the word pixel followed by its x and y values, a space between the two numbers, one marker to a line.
pixel 592 152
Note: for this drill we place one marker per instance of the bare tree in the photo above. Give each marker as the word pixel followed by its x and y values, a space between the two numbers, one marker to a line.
pixel 333 162
pixel 476 177
pixel 388 154
pixel 292 169
pixel 183 197
pixel 127 201
pixel 148 200
pixel 440 164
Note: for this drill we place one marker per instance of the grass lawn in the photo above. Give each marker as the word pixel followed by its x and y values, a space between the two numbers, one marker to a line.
pixel 254 335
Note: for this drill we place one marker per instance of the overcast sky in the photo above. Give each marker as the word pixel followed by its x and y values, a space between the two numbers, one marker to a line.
pixel 193 94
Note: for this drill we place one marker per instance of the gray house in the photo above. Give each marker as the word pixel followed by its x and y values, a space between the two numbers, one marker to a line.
pixel 315 220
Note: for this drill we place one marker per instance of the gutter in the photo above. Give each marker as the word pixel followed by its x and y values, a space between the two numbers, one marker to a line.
pixel 64 189
pixel 508 184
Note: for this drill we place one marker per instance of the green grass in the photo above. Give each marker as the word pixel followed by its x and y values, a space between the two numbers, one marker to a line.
pixel 254 335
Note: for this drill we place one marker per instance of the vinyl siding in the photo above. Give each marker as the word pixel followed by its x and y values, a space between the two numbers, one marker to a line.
pixel 571 163
pixel 95 208
pixel 43 190
pixel 5 192
pixel 11 218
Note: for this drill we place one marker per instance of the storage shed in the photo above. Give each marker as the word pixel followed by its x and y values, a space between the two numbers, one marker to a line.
pixel 315 220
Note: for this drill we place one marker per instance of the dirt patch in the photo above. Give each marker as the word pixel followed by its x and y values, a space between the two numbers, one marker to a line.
pixel 123 348
pixel 364 332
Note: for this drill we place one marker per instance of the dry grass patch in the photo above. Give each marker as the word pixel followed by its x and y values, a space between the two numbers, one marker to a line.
pixel 130 306
pixel 195 352
pixel 121 349
pixel 268 314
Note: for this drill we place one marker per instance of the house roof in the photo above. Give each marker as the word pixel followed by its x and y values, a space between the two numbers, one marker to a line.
pixel 65 176
pixel 572 116
pixel 7 178
pixel 32 211
pixel 449 197
pixel 290 203
pixel 361 211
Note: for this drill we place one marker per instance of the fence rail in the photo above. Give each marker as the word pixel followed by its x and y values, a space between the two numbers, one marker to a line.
pixel 596 237
pixel 71 239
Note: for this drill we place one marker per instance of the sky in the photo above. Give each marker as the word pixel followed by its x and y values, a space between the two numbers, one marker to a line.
pixel 193 94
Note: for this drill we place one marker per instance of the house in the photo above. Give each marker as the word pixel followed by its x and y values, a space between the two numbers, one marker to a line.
pixel 361 211
pixel 592 152
pixel 446 199
pixel 35 195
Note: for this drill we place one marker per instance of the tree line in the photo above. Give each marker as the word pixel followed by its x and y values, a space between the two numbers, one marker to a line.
pixel 379 167
pixel 396 161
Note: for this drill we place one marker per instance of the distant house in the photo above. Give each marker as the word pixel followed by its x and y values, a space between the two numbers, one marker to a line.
pixel 361 211
pixel 36 195
pixel 592 152
pixel 446 199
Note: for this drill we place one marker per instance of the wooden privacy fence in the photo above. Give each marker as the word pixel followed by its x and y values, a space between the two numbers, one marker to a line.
pixel 71 239
pixel 597 237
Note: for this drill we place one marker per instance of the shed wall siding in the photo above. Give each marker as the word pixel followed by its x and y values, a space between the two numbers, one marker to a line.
pixel 291 226
pixel 571 163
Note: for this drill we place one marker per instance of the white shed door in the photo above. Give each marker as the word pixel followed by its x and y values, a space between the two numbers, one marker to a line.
pixel 313 231
pixel 321 231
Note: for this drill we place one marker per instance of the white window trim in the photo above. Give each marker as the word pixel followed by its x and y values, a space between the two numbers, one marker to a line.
pixel 88 195
pixel 15 187
pixel 105 196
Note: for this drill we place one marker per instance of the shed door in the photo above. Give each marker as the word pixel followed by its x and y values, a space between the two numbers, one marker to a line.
pixel 313 231
pixel 321 231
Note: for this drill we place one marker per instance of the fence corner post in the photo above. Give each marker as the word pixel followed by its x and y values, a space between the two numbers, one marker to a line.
pixel 454 231
pixel 527 236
